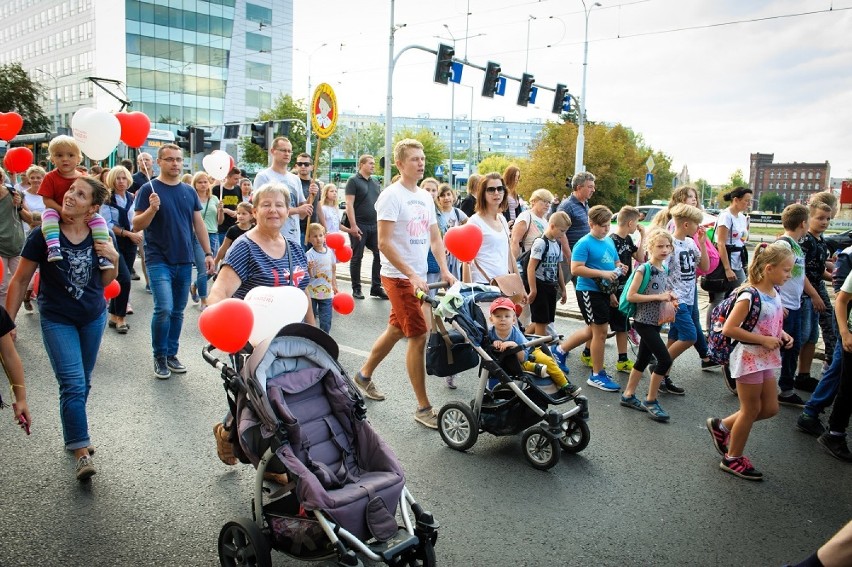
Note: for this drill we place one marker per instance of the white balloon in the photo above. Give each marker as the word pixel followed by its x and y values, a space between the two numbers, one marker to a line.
pixel 274 308
pixel 96 132
pixel 217 164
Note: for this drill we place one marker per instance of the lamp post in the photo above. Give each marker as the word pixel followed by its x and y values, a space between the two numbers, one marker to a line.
pixel 55 97
pixel 581 131
pixel 527 62
pixel 308 97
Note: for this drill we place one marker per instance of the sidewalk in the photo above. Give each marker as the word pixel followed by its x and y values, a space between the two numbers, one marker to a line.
pixel 569 309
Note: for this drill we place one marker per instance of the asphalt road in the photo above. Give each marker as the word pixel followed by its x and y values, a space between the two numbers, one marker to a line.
pixel 642 493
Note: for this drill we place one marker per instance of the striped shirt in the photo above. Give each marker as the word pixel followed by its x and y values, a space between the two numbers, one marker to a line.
pixel 256 268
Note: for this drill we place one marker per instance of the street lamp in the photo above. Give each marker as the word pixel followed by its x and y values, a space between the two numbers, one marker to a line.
pixel 581 134
pixel 55 97
pixel 308 98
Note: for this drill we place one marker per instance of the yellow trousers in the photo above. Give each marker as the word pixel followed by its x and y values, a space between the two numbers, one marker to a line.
pixel 553 371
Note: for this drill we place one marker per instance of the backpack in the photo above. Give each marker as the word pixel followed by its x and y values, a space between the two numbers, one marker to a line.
pixel 524 259
pixel 842 267
pixel 629 309
pixel 719 346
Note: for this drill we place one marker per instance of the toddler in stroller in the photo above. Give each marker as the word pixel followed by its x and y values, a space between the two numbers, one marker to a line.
pixel 520 401
pixel 297 413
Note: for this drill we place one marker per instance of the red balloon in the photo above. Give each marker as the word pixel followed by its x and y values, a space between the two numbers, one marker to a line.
pixel 36 281
pixel 2 270
pixel 232 165
pixel 335 240
pixel 227 325
pixel 464 242
pixel 10 124
pixel 344 253
pixel 135 127
pixel 343 303
pixel 112 290
pixel 18 160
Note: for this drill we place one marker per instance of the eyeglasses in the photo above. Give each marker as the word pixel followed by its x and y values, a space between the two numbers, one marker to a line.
pixel 303 163
pixel 499 189
pixel 172 159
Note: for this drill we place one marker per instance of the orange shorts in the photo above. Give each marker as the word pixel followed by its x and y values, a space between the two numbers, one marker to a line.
pixel 405 312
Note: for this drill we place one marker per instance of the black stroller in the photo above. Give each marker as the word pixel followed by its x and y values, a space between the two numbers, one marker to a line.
pixel 298 414
pixel 519 402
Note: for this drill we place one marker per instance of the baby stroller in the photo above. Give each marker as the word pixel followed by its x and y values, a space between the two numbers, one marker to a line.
pixel 297 413
pixel 519 403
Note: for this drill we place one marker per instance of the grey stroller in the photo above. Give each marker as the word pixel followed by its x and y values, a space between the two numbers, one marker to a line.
pixel 298 414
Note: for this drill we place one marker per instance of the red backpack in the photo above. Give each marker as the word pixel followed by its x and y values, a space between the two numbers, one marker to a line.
pixel 719 346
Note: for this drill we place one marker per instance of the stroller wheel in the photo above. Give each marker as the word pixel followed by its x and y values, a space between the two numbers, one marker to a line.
pixel 576 437
pixel 241 542
pixel 457 425
pixel 541 450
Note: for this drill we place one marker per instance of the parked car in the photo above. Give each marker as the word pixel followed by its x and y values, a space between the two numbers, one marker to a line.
pixel 651 211
pixel 839 241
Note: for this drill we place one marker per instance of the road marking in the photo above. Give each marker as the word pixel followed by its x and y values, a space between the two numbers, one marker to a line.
pixel 355 351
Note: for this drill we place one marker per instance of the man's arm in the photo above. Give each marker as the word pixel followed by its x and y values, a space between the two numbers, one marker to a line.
pixel 142 220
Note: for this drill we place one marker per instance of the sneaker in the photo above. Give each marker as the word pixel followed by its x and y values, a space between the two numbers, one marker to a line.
pixel 378 292
pixel 624 365
pixel 730 383
pixel 655 412
pixel 669 387
pixel 161 369
pixel 148 288
pixel 428 416
pixel 836 446
pixel 719 436
pixel 224 447
pixel 134 276
pixel 633 337
pixel 540 370
pixel 368 387
pixel 85 468
pixel 129 310
pixel 603 381
pixel 806 383
pixel 569 390
pixel 54 254
pixel 175 365
pixel 561 359
pixel 632 402
pixel 810 425
pixel 586 359
pixel 708 365
pixel 741 467
pixel 357 294
pixel 792 400
pixel 105 264
pixel 451 381
pixel 193 293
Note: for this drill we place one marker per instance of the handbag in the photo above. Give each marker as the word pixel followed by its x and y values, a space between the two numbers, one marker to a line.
pixel 447 352
pixel 511 285
pixel 668 311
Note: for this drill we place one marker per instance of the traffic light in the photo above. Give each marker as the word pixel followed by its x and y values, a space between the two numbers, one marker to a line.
pixel 492 78
pixel 199 136
pixel 631 185
pixel 258 134
pixel 562 100
pixel 283 129
pixel 184 139
pixel 444 64
pixel 527 81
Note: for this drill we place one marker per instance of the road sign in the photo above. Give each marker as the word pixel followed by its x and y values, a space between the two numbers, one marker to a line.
pixel 501 86
pixel 456 73
pixel 649 179
pixel 324 111
pixel 533 93
pixel 650 164
pixel 439 170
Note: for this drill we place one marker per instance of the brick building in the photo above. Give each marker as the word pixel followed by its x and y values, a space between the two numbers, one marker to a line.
pixel 795 182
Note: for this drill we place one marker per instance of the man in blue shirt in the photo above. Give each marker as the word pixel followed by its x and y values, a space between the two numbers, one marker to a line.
pixel 169 211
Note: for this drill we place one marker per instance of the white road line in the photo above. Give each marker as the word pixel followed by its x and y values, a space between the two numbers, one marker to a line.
pixel 355 351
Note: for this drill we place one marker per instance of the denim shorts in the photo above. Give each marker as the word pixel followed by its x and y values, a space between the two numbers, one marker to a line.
pixel 683 328
pixel 809 321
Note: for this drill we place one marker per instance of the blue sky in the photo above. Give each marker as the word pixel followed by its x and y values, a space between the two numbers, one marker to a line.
pixel 706 94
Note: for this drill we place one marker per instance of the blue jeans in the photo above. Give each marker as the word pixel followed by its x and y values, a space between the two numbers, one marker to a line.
pixel 170 290
pixel 322 313
pixel 790 356
pixel 809 321
pixel 200 268
pixel 825 391
pixel 72 352
pixel 700 340
pixel 683 328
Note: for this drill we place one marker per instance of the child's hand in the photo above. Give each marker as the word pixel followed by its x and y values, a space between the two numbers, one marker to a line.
pixel 786 340
pixel 818 303
pixel 334 289
pixel 772 343
pixel 312 266
pixel 613 301
pixel 22 415
pixel 564 298
pixel 701 232
pixel 531 295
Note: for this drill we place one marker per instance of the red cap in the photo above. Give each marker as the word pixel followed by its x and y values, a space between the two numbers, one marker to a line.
pixel 501 303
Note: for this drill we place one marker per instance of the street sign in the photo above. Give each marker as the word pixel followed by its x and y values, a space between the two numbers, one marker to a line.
pixel 650 164
pixel 533 93
pixel 439 170
pixel 456 73
pixel 501 86
pixel 649 180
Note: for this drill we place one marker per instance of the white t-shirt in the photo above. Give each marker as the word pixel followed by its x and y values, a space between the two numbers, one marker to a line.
pixel 413 214
pixel 682 264
pixel 493 256
pixel 35 203
pixel 847 287
pixel 737 231
pixel 534 227
pixel 332 218
pixel 548 268
pixel 791 290
pixel 290 228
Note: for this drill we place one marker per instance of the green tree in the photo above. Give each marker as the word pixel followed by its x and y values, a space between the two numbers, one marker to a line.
pixel 18 93
pixel 433 147
pixel 735 180
pixel 771 202
pixel 284 108
pixel 367 140
pixel 496 162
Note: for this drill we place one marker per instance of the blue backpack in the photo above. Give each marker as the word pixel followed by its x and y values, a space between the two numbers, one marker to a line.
pixel 719 346
pixel 842 267
pixel 629 309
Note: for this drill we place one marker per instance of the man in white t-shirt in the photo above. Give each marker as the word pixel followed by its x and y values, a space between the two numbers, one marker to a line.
pixel 407 229
pixel 281 151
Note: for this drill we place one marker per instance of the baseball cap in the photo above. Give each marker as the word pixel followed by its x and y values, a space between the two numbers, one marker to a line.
pixel 501 303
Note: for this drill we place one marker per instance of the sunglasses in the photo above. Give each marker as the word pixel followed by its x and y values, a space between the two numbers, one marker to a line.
pixel 303 163
pixel 500 189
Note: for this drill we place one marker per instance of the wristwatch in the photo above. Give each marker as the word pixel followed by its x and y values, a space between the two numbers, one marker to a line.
pixel 208 254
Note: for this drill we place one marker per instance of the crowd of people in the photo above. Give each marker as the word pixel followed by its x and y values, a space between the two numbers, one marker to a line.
pixel 82 230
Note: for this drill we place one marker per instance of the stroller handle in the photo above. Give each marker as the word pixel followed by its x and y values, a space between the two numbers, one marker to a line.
pixel 207 353
pixel 424 297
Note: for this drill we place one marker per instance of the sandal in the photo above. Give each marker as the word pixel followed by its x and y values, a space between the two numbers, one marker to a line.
pixel 224 448
pixel 112 324
pixel 122 329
